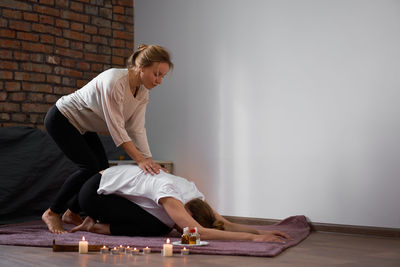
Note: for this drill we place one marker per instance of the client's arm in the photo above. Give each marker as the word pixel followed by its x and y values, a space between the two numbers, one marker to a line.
pixel 182 218
pixel 235 227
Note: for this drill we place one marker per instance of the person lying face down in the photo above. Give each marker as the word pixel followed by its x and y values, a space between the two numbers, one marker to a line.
pixel 123 200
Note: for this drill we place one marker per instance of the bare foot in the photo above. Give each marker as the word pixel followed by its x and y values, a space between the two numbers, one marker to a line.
pixel 72 218
pixel 53 222
pixel 86 225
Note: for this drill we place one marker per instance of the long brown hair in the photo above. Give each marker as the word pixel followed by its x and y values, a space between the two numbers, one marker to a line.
pixel 203 214
pixel 146 55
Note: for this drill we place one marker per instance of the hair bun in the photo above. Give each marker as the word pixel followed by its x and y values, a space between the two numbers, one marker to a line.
pixel 218 225
pixel 142 47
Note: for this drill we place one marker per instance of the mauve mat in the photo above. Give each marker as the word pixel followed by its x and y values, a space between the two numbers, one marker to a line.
pixel 35 234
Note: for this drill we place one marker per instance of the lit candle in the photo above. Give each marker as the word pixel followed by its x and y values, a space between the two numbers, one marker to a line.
pixel 128 250
pixel 115 251
pixel 83 246
pixel 167 249
pixel 121 249
pixel 147 250
pixel 104 250
pixel 135 251
pixel 184 251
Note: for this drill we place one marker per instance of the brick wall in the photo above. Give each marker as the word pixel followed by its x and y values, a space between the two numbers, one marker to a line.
pixel 49 48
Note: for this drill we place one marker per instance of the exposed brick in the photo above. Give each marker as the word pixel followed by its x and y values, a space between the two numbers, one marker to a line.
pixel 50 98
pixel 129 12
pixel 121 52
pixel 105 32
pixel 83 65
pixel 68 81
pixel 9 107
pixel 76 35
pixel 6 75
pixel 36 87
pixel 63 90
pixel 53 79
pixel 81 83
pixel 46 39
pixel 35 107
pixel 36 67
pixel 8 65
pixel 3 96
pixel 13 86
pixel 36 118
pixel 68 52
pixel 117 43
pixel 117 26
pixel 104 50
pixel 4 116
pixel 20 5
pixel 91 10
pixel 75 26
pixel 46 19
pixel 47 10
pixel 62 3
pixel 7 33
pixel 18 117
pixel 19 25
pixel 36 57
pixel 65 14
pixel 35 97
pixel 127 3
pixel 91 29
pixel 99 40
pixel 130 45
pixel 97 2
pixel 67 72
pixel 18 97
pixel 37 47
pixel 106 13
pixel 31 16
pixel 3 23
pixel 101 22
pixel 32 77
pixel 12 14
pixel 118 9
pixel 21 56
pixel 84 1
pixel 77 45
pixel 123 19
pixel 77 6
pixel 5 54
pixel 97 58
pixel 91 48
pixel 118 61
pixel 62 23
pixel 97 67
pixel 68 63
pixel 46 29
pixel 129 28
pixel 47 2
pixel 62 42
pixel 27 36
pixel 122 35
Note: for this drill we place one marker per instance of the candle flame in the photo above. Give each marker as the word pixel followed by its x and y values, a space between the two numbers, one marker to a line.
pixel 184 248
pixel 83 238
pixel 127 247
pixel 147 247
pixel 104 246
pixel 168 241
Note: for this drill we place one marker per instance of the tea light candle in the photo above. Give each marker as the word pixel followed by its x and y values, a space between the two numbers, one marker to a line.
pixel 147 250
pixel 167 249
pixel 121 249
pixel 128 250
pixel 83 246
pixel 184 251
pixel 135 251
pixel 115 251
pixel 104 250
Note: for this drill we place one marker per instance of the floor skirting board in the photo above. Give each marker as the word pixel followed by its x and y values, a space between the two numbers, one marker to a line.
pixel 327 227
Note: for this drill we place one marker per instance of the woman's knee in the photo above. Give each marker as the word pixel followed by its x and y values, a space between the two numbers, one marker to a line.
pixel 88 194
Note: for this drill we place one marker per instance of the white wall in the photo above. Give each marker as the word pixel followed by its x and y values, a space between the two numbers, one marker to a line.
pixel 278 108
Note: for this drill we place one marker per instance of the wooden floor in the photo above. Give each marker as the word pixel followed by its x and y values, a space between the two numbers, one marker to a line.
pixel 319 249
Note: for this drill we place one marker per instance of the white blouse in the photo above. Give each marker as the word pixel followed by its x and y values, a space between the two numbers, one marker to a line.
pixel 146 190
pixel 106 104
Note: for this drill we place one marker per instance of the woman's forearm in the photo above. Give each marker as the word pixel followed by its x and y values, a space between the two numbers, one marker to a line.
pixel 132 151
pixel 234 227
pixel 210 234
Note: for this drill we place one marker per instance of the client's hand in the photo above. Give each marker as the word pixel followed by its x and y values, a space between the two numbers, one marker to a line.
pixel 275 232
pixel 148 165
pixel 269 237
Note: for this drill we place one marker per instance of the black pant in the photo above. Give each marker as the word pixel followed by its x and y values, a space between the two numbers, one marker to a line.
pixel 124 216
pixel 86 151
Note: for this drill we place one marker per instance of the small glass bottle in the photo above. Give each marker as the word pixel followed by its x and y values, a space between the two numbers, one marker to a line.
pixel 192 237
pixel 185 236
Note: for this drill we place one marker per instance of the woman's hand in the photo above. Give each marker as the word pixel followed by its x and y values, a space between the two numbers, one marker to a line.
pixel 275 232
pixel 148 165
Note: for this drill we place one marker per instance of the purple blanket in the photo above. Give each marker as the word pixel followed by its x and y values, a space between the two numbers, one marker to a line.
pixel 35 234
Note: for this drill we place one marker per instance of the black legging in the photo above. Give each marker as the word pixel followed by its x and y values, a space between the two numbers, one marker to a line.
pixel 86 151
pixel 124 216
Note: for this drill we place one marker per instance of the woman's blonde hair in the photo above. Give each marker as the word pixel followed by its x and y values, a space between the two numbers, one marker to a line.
pixel 146 55
pixel 203 214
